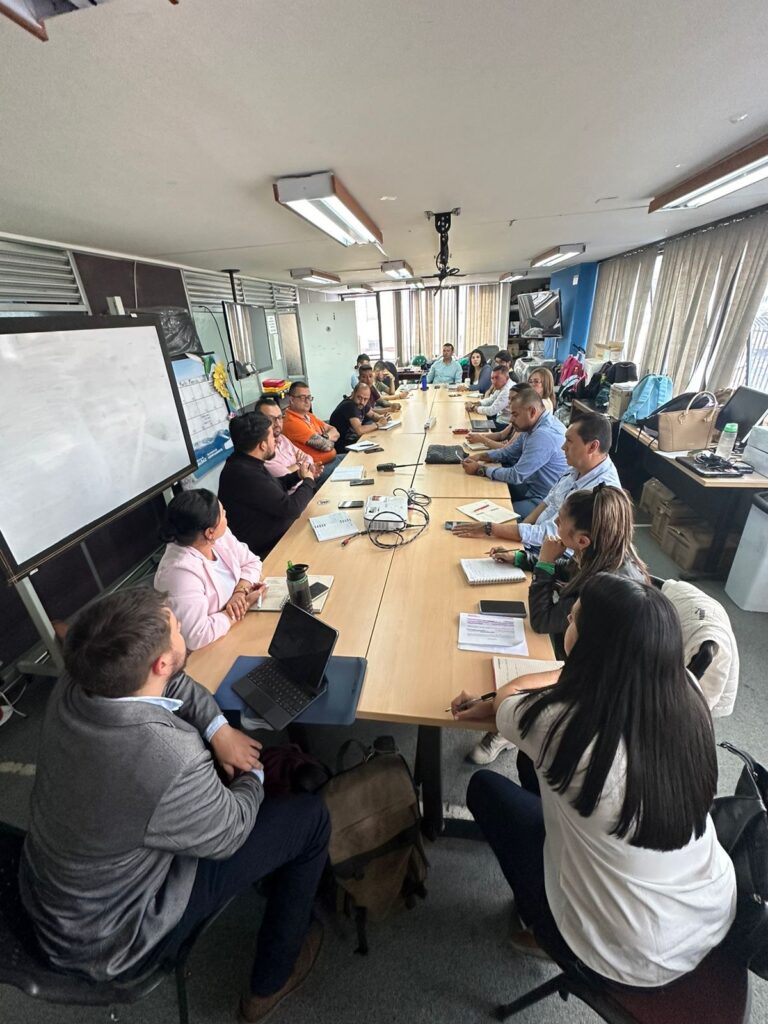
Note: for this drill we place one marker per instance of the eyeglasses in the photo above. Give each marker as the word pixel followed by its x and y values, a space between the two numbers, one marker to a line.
pixel 303 398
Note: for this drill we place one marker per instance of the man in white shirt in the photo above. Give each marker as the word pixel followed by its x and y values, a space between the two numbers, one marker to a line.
pixel 496 403
pixel 287 457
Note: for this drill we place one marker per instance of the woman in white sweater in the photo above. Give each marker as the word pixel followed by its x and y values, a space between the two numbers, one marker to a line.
pixel 618 858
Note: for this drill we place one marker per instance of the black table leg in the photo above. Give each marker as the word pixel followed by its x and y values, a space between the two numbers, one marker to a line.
pixel 429 776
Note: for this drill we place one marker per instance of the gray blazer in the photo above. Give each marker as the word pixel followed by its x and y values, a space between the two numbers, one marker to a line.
pixel 126 799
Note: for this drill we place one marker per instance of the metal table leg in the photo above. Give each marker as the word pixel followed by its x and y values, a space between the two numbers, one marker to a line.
pixel 429 776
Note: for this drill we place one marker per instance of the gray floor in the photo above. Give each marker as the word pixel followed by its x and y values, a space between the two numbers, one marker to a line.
pixel 448 959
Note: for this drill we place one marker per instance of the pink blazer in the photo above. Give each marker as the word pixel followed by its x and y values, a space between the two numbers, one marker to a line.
pixel 194 591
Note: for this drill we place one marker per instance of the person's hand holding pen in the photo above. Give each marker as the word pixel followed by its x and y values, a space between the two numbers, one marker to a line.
pixel 469 706
pixel 503 555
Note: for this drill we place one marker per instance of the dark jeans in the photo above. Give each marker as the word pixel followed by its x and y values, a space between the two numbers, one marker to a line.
pixel 512 821
pixel 289 839
pixel 328 468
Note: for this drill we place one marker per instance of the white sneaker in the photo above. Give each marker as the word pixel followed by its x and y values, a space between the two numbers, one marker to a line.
pixel 489 748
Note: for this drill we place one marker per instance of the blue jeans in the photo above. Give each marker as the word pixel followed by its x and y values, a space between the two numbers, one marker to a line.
pixel 328 468
pixel 288 841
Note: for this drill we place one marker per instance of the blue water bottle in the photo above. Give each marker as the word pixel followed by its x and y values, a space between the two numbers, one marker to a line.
pixel 423 382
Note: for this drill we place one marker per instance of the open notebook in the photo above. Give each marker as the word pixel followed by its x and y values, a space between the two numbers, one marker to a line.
pixel 485 570
pixel 277 593
pixel 507 669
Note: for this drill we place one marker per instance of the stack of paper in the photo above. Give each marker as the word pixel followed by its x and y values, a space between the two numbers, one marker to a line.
pixel 343 472
pixel 277 594
pixel 488 512
pixel 336 524
pixel 507 669
pixel 360 446
pixel 491 633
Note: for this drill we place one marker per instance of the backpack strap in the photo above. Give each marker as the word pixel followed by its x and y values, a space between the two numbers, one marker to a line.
pixel 364 752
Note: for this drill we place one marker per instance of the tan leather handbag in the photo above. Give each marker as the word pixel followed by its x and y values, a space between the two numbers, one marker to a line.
pixel 688 428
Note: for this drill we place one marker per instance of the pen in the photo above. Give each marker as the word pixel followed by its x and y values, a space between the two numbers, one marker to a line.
pixel 476 700
pixel 481 507
pixel 501 551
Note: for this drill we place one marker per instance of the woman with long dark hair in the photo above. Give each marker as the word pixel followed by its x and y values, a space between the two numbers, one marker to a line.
pixel 618 858
pixel 479 378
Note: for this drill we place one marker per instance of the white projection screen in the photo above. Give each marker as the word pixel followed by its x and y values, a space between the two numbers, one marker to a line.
pixel 90 426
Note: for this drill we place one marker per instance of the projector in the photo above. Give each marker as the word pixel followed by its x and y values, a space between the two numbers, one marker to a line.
pixel 385 512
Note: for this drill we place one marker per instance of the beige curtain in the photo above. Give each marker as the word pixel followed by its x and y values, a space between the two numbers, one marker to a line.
pixel 445 317
pixel 708 284
pixel 481 327
pixel 623 287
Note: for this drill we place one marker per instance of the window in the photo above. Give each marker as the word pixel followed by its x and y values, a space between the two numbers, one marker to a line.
pixel 752 367
pixel 368 326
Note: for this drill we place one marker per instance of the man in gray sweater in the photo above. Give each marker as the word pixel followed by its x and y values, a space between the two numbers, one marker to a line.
pixel 133 838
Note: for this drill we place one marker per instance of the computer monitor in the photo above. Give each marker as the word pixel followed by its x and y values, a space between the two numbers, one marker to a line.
pixel 746 407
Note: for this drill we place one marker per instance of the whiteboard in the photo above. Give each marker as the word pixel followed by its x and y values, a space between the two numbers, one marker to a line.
pixel 329 337
pixel 90 424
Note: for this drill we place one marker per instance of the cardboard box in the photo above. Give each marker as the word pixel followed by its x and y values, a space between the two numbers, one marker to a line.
pixel 689 544
pixel 654 493
pixel 618 398
pixel 672 512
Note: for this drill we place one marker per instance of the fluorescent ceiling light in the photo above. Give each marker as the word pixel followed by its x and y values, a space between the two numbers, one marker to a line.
pixel 398 269
pixel 513 275
pixel 314 276
pixel 321 199
pixel 739 170
pixel 558 254
pixel 359 288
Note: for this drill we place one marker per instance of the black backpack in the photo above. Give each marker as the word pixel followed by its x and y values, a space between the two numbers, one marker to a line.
pixel 620 373
pixel 741 823
pixel 590 390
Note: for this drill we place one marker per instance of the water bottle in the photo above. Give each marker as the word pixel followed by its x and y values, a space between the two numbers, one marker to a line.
pixel 298 586
pixel 728 437
pixel 423 382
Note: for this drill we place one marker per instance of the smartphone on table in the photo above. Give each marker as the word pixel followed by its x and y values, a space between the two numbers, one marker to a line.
pixel 361 483
pixel 450 523
pixel 317 589
pixel 515 609
pixel 351 503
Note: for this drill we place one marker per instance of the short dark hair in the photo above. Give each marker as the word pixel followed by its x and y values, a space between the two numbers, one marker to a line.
pixel 189 514
pixel 248 430
pixel 295 387
pixel 592 427
pixel 503 355
pixel 447 344
pixel 111 645
pixel 265 400
pixel 363 367
pixel 362 358
pixel 528 398
pixel 500 369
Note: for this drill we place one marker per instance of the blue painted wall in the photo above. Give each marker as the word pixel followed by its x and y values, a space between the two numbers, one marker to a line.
pixel 576 304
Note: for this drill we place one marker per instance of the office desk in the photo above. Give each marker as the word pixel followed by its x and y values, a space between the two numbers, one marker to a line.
pixel 723 502
pixel 453 482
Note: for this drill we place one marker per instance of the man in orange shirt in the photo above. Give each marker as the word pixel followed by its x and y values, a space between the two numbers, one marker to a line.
pixel 310 434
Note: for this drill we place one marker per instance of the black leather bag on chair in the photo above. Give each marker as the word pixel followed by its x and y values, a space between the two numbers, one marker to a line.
pixel 741 823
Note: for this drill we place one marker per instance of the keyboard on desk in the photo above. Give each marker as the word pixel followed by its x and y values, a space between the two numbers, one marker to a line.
pixel 271 681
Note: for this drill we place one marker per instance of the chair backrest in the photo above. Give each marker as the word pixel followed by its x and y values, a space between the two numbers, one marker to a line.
pixel 489 351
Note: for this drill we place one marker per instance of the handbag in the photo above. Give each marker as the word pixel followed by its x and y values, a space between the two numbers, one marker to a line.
pixel 688 428
pixel 741 823
pixel 445 455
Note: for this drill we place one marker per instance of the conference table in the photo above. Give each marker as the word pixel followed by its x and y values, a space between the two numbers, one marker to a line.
pixel 397 607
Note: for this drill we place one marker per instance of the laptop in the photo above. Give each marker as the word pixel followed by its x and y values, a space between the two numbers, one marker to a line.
pixel 293 676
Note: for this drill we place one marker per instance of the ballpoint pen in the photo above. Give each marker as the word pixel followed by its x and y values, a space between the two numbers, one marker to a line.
pixel 475 700
pixel 501 551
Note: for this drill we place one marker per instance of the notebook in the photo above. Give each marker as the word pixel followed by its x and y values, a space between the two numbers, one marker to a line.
pixel 388 426
pixel 360 446
pixel 342 473
pixel 485 570
pixel 487 512
pixel 277 593
pixel 507 669
pixel 475 446
pixel 335 524
pixel 490 633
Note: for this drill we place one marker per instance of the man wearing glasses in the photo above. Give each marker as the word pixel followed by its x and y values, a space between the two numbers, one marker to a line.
pixel 310 434
pixel 288 457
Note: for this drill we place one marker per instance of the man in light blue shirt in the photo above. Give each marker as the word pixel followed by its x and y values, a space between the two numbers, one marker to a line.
pixel 534 461
pixel 446 370
pixel 586 446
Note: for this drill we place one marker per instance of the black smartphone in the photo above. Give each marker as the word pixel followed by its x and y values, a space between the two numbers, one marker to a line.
pixel 378 448
pixel 361 483
pixel 351 503
pixel 317 589
pixel 516 609
pixel 450 523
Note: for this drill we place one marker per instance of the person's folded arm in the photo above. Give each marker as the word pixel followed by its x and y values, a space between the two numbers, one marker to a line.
pixel 361 428
pixel 198 816
pixel 198 709
pixel 319 442
pixel 537 453
pixel 546 614
pixel 190 604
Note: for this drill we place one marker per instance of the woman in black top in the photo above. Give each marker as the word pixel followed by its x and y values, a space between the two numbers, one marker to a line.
pixel 598 527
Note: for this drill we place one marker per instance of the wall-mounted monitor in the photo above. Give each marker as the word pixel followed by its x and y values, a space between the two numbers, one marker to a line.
pixel 92 426
pixel 248 338
pixel 540 315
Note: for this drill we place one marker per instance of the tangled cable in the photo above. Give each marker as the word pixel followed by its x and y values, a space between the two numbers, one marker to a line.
pixel 417 503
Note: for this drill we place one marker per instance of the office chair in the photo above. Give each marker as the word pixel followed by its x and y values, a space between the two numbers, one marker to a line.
pixel 717 991
pixel 24 966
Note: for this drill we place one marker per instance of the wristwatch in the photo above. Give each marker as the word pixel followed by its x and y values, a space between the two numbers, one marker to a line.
pixel 481 470
pixel 488 527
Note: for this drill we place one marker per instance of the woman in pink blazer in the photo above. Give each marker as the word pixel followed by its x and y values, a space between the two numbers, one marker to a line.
pixel 210 577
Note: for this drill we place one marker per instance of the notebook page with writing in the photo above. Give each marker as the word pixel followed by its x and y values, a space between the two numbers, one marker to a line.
pixel 336 524
pixel 487 570
pixel 488 512
pixel 505 670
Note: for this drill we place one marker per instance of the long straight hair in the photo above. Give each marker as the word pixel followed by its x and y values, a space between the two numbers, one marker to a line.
pixel 605 513
pixel 625 680
pixel 483 361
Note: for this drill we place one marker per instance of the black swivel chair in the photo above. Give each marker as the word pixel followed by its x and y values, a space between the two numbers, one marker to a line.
pixel 23 965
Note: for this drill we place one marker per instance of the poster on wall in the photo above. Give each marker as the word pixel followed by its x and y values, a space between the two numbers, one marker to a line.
pixel 206 413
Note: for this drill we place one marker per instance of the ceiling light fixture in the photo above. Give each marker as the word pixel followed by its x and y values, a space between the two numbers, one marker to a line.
pixel 314 276
pixel 321 199
pixel 742 168
pixel 398 269
pixel 558 254
pixel 512 275
pixel 359 288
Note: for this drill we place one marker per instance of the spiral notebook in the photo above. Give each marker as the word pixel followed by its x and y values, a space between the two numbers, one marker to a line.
pixel 485 570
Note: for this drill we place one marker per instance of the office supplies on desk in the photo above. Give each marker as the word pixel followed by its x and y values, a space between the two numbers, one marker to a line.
pixel 475 446
pixel 361 446
pixel 485 570
pixel 492 633
pixel 277 593
pixel 343 472
pixel 390 424
pixel 475 700
pixel 293 676
pixel 488 512
pixel 333 525
pixel 506 670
